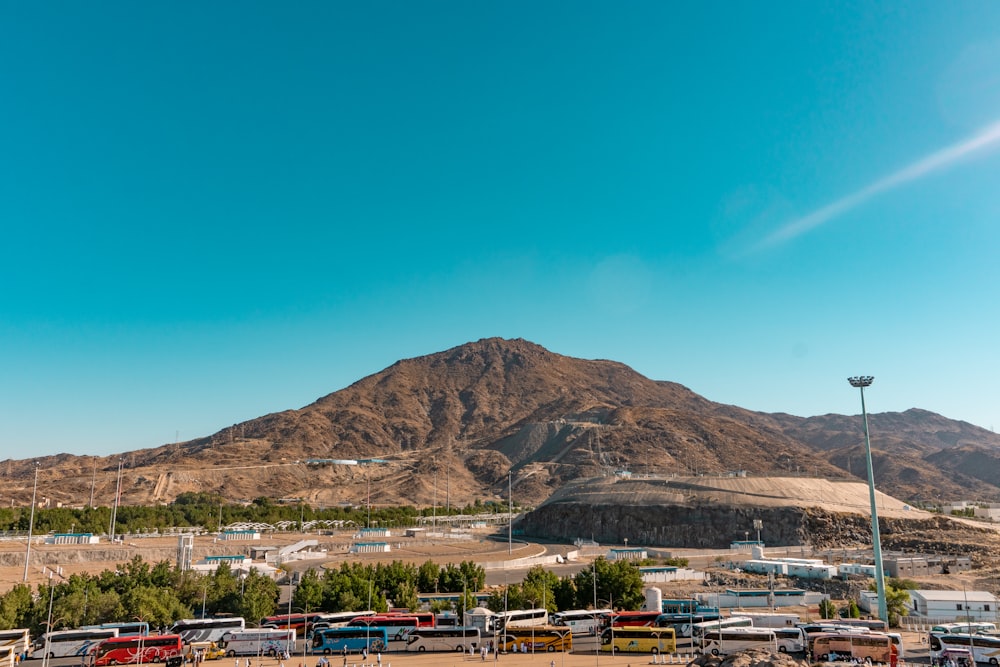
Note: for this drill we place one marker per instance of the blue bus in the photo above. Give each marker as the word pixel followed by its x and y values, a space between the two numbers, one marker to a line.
pixel 353 638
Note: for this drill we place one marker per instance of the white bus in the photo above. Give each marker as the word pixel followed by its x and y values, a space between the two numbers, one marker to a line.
pixel 984 648
pixel 264 641
pixel 71 643
pixel 967 628
pixel 791 640
pixel 18 641
pixel 764 619
pixel 731 640
pixel 450 638
pixel 581 621
pixel 206 629
pixel 520 618
pixel 698 630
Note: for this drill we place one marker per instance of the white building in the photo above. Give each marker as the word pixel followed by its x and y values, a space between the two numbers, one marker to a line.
pixel 991 512
pixel 954 605
pixel 856 568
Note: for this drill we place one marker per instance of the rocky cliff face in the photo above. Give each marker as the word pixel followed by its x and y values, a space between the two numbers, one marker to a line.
pixel 709 526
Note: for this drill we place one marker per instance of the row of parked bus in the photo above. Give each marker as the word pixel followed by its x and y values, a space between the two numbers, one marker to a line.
pixel 968 643
pixel 728 635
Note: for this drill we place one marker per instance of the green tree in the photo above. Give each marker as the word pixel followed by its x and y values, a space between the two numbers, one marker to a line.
pixel 896 600
pixel 565 593
pixel 260 597
pixel 15 607
pixel 827 609
pixel 406 597
pixel 156 606
pixel 619 583
pixel 309 593
pixel 427 577
pixel 539 588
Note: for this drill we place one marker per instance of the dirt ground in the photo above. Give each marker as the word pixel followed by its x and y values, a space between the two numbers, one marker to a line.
pixel 62 560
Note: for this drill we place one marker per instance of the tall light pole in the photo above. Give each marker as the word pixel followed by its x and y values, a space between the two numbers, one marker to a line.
pixel 597 648
pixel 118 495
pixel 48 625
pixel 31 525
pixel 860 382
pixel 510 517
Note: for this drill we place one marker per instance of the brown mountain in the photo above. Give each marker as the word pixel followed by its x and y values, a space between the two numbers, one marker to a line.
pixel 451 425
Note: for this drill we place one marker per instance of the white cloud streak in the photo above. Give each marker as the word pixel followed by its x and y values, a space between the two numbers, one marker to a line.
pixel 942 159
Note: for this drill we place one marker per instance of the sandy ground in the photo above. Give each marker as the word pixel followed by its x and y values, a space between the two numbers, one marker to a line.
pixel 63 560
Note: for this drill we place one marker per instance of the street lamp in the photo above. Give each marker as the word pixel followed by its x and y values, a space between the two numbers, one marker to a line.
pixel 31 524
pixel 860 382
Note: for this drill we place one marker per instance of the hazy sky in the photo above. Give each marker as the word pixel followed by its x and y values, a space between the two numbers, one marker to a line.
pixel 214 211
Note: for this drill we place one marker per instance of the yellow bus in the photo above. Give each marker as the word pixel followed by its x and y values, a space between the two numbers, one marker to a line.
pixel 537 638
pixel 639 639
pixel 843 646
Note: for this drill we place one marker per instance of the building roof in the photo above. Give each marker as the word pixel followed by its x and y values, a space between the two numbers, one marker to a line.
pixel 953 596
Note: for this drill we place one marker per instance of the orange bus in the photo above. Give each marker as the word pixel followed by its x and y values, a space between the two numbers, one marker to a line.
pixel 137 650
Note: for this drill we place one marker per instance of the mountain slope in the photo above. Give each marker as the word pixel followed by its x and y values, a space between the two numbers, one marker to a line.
pixel 452 424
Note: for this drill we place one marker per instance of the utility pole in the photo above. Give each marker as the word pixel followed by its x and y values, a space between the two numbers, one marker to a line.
pixel 31 525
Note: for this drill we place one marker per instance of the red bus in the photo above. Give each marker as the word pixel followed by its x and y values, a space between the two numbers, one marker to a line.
pixel 137 650
pixel 425 619
pixel 622 619
pixel 301 623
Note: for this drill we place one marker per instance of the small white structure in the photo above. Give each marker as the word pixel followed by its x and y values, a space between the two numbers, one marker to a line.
pixel 765 566
pixel 954 605
pixel 806 568
pixel 479 617
pixel 369 533
pixel 634 553
pixel 235 535
pixel 991 512
pixel 370 547
pixel 72 538
pixel 812 571
pixel 845 569
pixel 653 599
pixel 666 573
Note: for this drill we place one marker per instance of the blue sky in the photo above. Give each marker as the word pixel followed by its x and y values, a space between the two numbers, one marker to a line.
pixel 213 211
